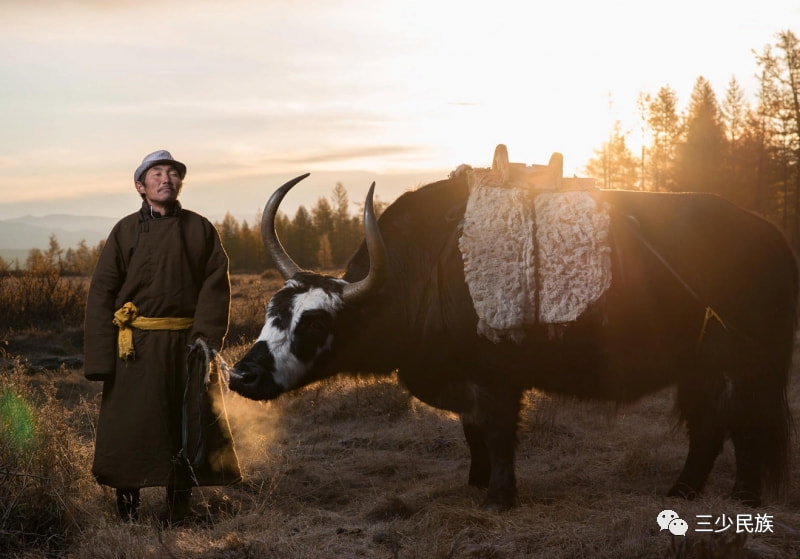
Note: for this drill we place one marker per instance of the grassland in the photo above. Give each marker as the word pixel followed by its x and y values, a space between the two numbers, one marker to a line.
pixel 357 468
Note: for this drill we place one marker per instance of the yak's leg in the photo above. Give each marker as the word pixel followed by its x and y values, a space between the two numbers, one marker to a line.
pixel 489 416
pixel 702 406
pixel 705 444
pixel 747 446
pixel 479 467
pixel 491 431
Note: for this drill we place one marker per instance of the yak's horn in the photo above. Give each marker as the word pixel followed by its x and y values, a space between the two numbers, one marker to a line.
pixel 377 256
pixel 286 266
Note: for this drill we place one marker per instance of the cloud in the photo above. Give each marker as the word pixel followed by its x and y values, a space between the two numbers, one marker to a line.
pixel 350 155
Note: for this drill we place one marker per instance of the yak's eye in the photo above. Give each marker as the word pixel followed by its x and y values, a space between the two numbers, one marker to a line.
pixel 310 334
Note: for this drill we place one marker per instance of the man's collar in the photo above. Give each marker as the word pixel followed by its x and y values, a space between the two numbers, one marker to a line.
pixel 148 210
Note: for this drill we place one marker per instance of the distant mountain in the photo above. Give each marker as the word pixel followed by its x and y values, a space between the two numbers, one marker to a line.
pixel 11 255
pixel 27 232
pixel 67 222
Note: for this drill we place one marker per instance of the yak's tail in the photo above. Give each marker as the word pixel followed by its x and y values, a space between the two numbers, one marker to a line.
pixel 770 405
pixel 769 390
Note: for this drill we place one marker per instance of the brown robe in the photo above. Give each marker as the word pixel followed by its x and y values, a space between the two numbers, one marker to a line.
pixel 171 266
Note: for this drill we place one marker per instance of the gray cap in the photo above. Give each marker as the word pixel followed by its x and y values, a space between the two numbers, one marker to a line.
pixel 159 157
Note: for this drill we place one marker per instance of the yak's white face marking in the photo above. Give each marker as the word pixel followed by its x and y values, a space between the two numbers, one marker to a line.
pixel 298 327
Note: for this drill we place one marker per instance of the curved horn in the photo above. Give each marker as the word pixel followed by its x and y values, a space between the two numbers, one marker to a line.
pixel 286 266
pixel 377 256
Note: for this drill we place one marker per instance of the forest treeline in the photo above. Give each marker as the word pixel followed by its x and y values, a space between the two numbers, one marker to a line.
pixel 746 152
pixel 323 238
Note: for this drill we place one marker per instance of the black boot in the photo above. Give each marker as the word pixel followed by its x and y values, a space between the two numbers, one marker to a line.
pixel 128 503
pixel 178 500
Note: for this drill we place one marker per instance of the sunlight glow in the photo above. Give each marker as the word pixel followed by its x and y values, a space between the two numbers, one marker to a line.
pixel 384 88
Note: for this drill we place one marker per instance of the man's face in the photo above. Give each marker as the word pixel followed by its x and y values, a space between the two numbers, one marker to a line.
pixel 161 185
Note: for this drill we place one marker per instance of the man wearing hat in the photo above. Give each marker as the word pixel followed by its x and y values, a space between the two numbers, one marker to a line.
pixel 161 287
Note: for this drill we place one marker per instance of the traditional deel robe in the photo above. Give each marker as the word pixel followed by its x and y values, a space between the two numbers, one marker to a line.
pixel 171 266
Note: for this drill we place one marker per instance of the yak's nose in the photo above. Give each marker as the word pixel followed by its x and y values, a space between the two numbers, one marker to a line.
pixel 253 385
pixel 241 377
pixel 252 375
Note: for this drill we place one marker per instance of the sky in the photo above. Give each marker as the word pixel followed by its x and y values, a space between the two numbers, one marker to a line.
pixel 250 93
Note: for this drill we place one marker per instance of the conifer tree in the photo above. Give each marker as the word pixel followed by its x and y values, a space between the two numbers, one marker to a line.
pixel 346 233
pixel 614 166
pixel 699 158
pixel 665 128
pixel 780 107
pixel 229 234
pixel 302 242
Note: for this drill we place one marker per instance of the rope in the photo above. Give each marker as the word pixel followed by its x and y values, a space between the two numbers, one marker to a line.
pixel 635 227
pixel 203 371
pixel 710 312
pixel 210 355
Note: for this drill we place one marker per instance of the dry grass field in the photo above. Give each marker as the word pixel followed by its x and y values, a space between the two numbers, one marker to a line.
pixel 357 468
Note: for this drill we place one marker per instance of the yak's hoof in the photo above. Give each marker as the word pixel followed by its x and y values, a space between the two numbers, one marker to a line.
pixel 499 504
pixel 491 506
pixel 478 481
pixel 479 474
pixel 682 490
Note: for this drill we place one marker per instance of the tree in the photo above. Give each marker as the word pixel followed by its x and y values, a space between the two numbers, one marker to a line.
pixel 252 252
pixel 54 253
pixel 37 262
pixel 229 234
pixel 780 108
pixel 665 128
pixel 733 112
pixel 738 173
pixel 642 102
pixel 614 165
pixel 324 258
pixel 80 261
pixel 302 243
pixel 346 229
pixel 699 158
pixel 323 217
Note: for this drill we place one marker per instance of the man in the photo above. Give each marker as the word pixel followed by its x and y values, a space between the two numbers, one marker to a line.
pixel 161 286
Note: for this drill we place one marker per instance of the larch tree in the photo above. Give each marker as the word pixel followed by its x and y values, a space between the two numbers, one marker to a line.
pixel 780 107
pixel 302 243
pixel 346 228
pixel 699 157
pixel 738 168
pixel 614 165
pixel 664 125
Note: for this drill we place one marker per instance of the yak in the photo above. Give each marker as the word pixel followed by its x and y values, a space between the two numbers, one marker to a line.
pixel 703 298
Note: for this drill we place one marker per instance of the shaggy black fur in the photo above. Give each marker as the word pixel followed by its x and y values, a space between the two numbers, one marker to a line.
pixel 674 258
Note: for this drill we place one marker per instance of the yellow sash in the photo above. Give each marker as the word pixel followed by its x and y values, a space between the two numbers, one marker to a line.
pixel 127 317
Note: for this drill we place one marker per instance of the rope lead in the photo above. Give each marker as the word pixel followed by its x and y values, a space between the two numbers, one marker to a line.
pixel 710 313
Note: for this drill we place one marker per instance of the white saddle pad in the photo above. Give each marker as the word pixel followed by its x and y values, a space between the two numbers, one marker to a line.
pixel 532 256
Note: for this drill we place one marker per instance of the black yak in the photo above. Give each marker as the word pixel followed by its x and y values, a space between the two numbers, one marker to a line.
pixel 703 297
